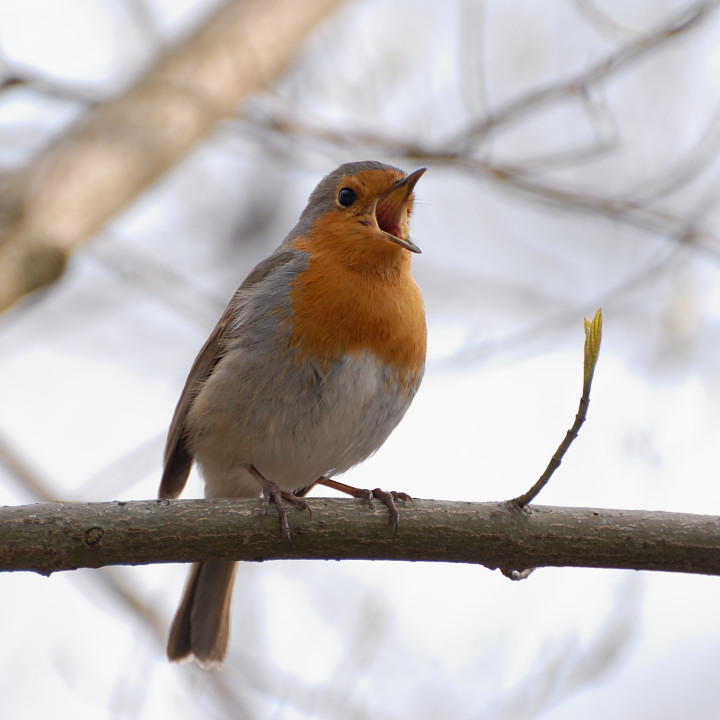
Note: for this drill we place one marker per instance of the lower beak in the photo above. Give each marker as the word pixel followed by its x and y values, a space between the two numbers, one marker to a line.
pixel 391 211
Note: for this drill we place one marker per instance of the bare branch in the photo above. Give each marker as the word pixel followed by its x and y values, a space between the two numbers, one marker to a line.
pixel 71 190
pixel 63 536
pixel 686 19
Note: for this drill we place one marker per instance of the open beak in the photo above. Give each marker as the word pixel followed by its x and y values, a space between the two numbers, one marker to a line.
pixel 391 210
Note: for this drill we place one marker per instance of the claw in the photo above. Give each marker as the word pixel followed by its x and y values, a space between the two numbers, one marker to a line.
pixel 270 491
pixel 387 497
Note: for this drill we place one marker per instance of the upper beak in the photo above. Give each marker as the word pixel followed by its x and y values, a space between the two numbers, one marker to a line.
pixel 391 210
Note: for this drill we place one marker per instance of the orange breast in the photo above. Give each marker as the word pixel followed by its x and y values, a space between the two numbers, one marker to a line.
pixel 356 298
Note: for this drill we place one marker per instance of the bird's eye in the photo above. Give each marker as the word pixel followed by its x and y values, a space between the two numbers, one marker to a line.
pixel 347 196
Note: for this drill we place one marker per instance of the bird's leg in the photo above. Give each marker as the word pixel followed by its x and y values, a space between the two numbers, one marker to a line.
pixel 388 498
pixel 271 491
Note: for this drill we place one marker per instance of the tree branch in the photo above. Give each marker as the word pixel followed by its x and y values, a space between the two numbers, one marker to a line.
pixel 49 537
pixel 72 189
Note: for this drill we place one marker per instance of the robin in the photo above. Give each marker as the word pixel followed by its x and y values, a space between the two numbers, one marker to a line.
pixel 315 360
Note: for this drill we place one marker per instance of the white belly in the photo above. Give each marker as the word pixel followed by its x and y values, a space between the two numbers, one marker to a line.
pixel 293 426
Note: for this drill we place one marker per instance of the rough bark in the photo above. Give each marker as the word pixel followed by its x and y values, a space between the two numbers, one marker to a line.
pixel 61 536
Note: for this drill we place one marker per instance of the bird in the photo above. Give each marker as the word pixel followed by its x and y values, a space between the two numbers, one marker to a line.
pixel 312 365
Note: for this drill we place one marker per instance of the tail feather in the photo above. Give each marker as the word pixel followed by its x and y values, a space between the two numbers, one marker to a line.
pixel 201 627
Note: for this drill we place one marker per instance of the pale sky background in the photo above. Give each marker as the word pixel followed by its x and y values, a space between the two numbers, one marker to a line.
pixel 91 369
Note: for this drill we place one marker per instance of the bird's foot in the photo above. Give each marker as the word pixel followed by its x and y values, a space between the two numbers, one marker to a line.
pixel 270 491
pixel 388 497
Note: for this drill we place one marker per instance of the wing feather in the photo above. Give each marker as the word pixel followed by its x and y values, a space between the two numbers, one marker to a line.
pixel 178 458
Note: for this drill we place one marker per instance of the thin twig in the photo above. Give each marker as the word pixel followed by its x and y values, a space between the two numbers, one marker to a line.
pixel 685 20
pixel 593 337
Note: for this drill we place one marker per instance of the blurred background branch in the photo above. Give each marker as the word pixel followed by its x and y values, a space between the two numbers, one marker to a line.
pixel 466 149
pixel 121 146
